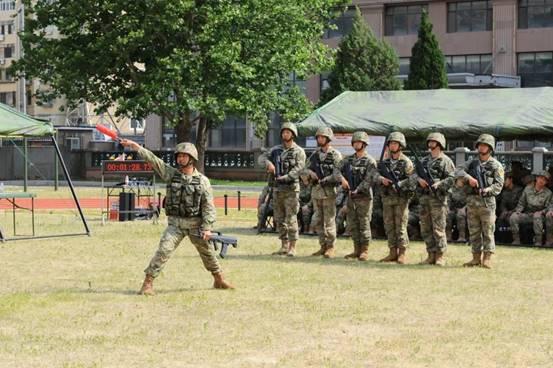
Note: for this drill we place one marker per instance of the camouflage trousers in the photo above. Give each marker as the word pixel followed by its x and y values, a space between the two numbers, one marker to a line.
pixel 326 220
pixel 286 207
pixel 433 216
pixel 341 219
pixel 176 231
pixel 359 220
pixel 306 216
pixel 481 222
pixel 396 217
pixel 537 219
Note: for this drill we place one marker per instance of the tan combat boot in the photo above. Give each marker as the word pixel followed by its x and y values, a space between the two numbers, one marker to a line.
pixel 354 254
pixel 148 286
pixel 320 252
pixel 363 253
pixel 430 260
pixel 330 252
pixel 292 249
pixel 439 259
pixel 220 283
pixel 392 256
pixel 476 260
pixel 283 249
pixel 401 257
pixel 516 239
pixel 487 261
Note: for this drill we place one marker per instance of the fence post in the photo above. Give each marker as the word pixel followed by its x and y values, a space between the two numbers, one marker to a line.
pixel 460 156
pixel 226 204
pixel 239 201
pixel 537 158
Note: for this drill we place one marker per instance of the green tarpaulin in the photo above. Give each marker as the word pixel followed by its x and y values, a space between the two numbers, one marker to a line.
pixel 458 113
pixel 16 124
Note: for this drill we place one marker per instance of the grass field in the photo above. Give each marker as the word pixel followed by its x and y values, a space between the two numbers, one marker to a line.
pixel 71 302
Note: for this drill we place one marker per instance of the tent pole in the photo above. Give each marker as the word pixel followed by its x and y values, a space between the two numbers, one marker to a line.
pixel 68 178
pixel 25 168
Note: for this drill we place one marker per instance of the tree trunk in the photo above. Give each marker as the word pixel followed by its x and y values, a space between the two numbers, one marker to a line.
pixel 183 129
pixel 201 142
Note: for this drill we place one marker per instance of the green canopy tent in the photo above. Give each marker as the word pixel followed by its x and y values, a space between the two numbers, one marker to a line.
pixel 16 124
pixel 458 113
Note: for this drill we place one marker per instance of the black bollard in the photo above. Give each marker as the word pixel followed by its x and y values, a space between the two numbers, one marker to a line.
pixel 226 204
pixel 239 201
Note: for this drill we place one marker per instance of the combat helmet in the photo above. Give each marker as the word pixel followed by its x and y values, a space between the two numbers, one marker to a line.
pixel 187 148
pixel 360 137
pixel 486 139
pixel 325 132
pixel 437 137
pixel 397 137
pixel 291 127
pixel 543 173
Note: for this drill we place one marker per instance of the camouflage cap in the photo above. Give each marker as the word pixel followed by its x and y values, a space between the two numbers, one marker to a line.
pixel 325 132
pixel 437 137
pixel 291 127
pixel 187 148
pixel 360 137
pixel 397 137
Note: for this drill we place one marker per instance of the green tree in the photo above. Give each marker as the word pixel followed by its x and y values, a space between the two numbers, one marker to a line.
pixel 427 69
pixel 187 61
pixel 363 63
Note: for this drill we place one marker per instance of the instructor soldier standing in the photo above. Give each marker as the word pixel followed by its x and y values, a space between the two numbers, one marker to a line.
pixel 190 210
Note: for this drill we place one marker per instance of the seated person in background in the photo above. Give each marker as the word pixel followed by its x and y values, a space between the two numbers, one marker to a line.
pixel 531 208
pixel 507 200
pixel 306 204
pixel 341 211
pixel 519 173
pixel 413 222
pixel 457 214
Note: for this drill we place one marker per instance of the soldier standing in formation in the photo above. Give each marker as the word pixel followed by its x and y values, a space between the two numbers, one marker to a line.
pixel 190 210
pixel 360 199
pixel 481 200
pixel 396 204
pixel 324 173
pixel 531 208
pixel 433 200
pixel 286 187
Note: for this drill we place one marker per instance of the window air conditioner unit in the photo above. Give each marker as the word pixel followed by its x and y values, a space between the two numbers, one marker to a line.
pixel 73 143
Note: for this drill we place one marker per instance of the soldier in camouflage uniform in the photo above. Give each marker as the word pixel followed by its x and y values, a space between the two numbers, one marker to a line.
pixel 306 204
pixel 377 222
pixel 190 210
pixel 457 210
pixel 413 224
pixel 507 201
pixel 531 208
pixel 358 173
pixel 481 201
pixel 341 211
pixel 433 200
pixel 396 204
pixel 286 187
pixel 323 170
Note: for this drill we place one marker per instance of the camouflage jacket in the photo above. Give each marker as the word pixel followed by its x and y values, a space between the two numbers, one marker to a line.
pixel 441 169
pixel 188 196
pixel 327 163
pixel 457 198
pixel 508 199
pixel 305 194
pixel 403 168
pixel 533 201
pixel 494 175
pixel 293 162
pixel 363 171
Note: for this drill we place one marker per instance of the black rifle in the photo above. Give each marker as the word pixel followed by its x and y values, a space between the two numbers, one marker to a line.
pixel 217 238
pixel 266 210
pixel 315 166
pixel 387 172
pixel 277 161
pixel 422 171
pixel 476 172
pixel 347 171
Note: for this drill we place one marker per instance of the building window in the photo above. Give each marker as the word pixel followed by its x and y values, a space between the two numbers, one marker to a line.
pixel 8 98
pixel 232 134
pixel 8 51
pixel 323 81
pixel 536 69
pixel 475 64
pixel 535 13
pixel 343 25
pixel 469 16
pixel 7 5
pixel 403 19
pixel 404 66
pixel 294 80
pixel 6 28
